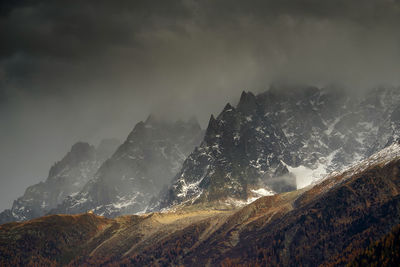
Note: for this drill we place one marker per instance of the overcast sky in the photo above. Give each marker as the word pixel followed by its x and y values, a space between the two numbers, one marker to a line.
pixel 86 70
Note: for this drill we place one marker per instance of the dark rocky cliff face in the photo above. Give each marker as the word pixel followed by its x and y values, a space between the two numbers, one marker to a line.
pixel 66 177
pixel 283 139
pixel 149 158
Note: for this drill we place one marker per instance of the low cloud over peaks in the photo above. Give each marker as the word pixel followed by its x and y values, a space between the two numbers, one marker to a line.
pixel 92 69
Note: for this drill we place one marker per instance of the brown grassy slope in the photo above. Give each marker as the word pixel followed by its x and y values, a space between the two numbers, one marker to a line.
pixel 328 228
pixel 385 252
pixel 58 238
pixel 329 224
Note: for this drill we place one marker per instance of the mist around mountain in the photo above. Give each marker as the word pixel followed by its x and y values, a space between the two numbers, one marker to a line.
pixel 114 178
pixel 277 141
pixel 303 177
pixel 146 162
pixel 66 177
pixel 281 140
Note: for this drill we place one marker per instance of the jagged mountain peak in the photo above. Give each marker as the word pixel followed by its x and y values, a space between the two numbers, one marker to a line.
pixel 211 121
pixel 156 125
pixel 247 103
pixel 228 107
pixel 148 159
pixel 282 139
pixel 79 151
pixel 81 147
pixel 67 176
pixel 211 130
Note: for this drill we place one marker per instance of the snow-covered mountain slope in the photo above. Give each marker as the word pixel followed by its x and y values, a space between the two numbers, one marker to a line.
pixel 284 139
pixel 66 177
pixel 149 158
pixel 380 159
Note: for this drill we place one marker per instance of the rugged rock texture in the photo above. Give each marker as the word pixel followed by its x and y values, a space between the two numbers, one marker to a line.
pixel 283 139
pixel 66 177
pixel 333 223
pixel 149 158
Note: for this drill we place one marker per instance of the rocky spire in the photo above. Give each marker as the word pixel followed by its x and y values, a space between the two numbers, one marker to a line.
pixel 247 103
pixel 228 107
pixel 79 152
pixel 212 129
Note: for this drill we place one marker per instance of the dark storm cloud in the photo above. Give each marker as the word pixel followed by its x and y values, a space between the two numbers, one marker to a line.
pixel 80 28
pixel 83 70
pixel 89 39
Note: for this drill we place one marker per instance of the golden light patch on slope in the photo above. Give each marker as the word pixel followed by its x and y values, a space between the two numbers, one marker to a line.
pixel 134 232
pixel 171 217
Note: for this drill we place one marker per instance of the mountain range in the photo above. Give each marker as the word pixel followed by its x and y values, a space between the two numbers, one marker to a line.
pixel 281 140
pixel 145 163
pixel 307 176
pixel 113 179
pixel 277 141
pixel 334 222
